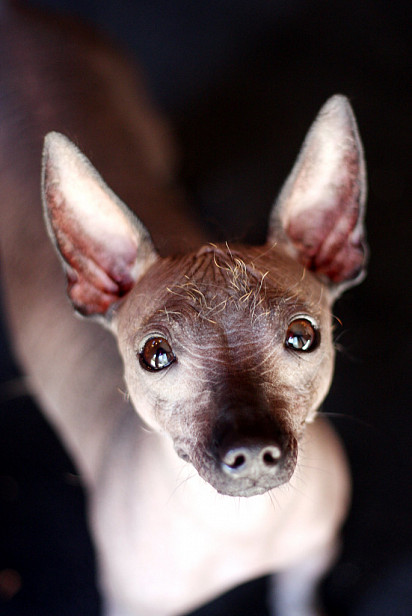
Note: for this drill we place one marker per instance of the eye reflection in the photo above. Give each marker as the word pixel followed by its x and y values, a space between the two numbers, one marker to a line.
pixel 156 354
pixel 301 335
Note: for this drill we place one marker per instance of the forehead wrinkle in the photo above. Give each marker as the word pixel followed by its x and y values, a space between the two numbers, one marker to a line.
pixel 192 360
pixel 216 277
pixel 264 357
pixel 217 284
pixel 216 343
pixel 212 350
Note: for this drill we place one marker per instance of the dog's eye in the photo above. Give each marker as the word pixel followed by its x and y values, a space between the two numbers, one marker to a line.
pixel 156 354
pixel 301 335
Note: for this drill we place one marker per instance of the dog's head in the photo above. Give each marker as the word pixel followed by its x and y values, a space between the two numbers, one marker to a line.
pixel 227 350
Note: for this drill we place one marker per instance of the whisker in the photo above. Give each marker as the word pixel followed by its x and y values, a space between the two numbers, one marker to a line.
pixel 273 500
pixel 181 483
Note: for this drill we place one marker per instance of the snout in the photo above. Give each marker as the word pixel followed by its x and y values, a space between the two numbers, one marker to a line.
pixel 248 465
pixel 244 460
pixel 249 458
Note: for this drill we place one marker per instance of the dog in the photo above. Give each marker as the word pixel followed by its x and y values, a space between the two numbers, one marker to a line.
pixel 202 452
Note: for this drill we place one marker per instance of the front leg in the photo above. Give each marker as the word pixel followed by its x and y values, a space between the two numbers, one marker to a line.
pixel 294 591
pixel 112 608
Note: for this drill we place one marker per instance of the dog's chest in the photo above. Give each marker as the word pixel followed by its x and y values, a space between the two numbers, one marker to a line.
pixel 178 535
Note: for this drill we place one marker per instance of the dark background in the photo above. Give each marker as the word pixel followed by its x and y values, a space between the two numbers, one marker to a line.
pixel 242 80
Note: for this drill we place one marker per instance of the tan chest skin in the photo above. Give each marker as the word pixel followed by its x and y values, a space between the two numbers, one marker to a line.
pixel 179 543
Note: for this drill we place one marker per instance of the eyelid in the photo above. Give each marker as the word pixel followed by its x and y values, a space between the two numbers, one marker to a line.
pixel 152 334
pixel 304 317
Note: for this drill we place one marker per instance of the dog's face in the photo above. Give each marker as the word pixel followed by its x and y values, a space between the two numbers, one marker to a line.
pixel 230 354
pixel 227 351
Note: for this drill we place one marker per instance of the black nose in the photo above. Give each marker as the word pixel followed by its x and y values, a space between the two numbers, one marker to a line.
pixel 249 457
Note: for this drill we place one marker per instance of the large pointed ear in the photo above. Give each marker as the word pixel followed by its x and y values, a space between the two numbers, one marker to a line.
pixel 320 209
pixel 103 247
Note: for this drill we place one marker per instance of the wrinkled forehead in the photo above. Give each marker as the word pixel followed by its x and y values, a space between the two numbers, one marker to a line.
pixel 218 283
pixel 218 280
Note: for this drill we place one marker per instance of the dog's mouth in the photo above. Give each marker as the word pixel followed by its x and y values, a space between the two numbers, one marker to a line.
pixel 243 467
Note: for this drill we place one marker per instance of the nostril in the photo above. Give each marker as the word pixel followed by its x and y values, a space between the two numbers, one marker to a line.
pixel 239 461
pixel 234 459
pixel 250 460
pixel 271 456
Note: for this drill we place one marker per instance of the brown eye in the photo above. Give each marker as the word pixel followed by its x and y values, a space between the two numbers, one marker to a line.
pixel 156 354
pixel 301 335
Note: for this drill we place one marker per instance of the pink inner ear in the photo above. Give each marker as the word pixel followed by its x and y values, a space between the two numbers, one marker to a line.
pixel 99 267
pixel 321 205
pixel 330 241
pixel 336 254
pixel 86 298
